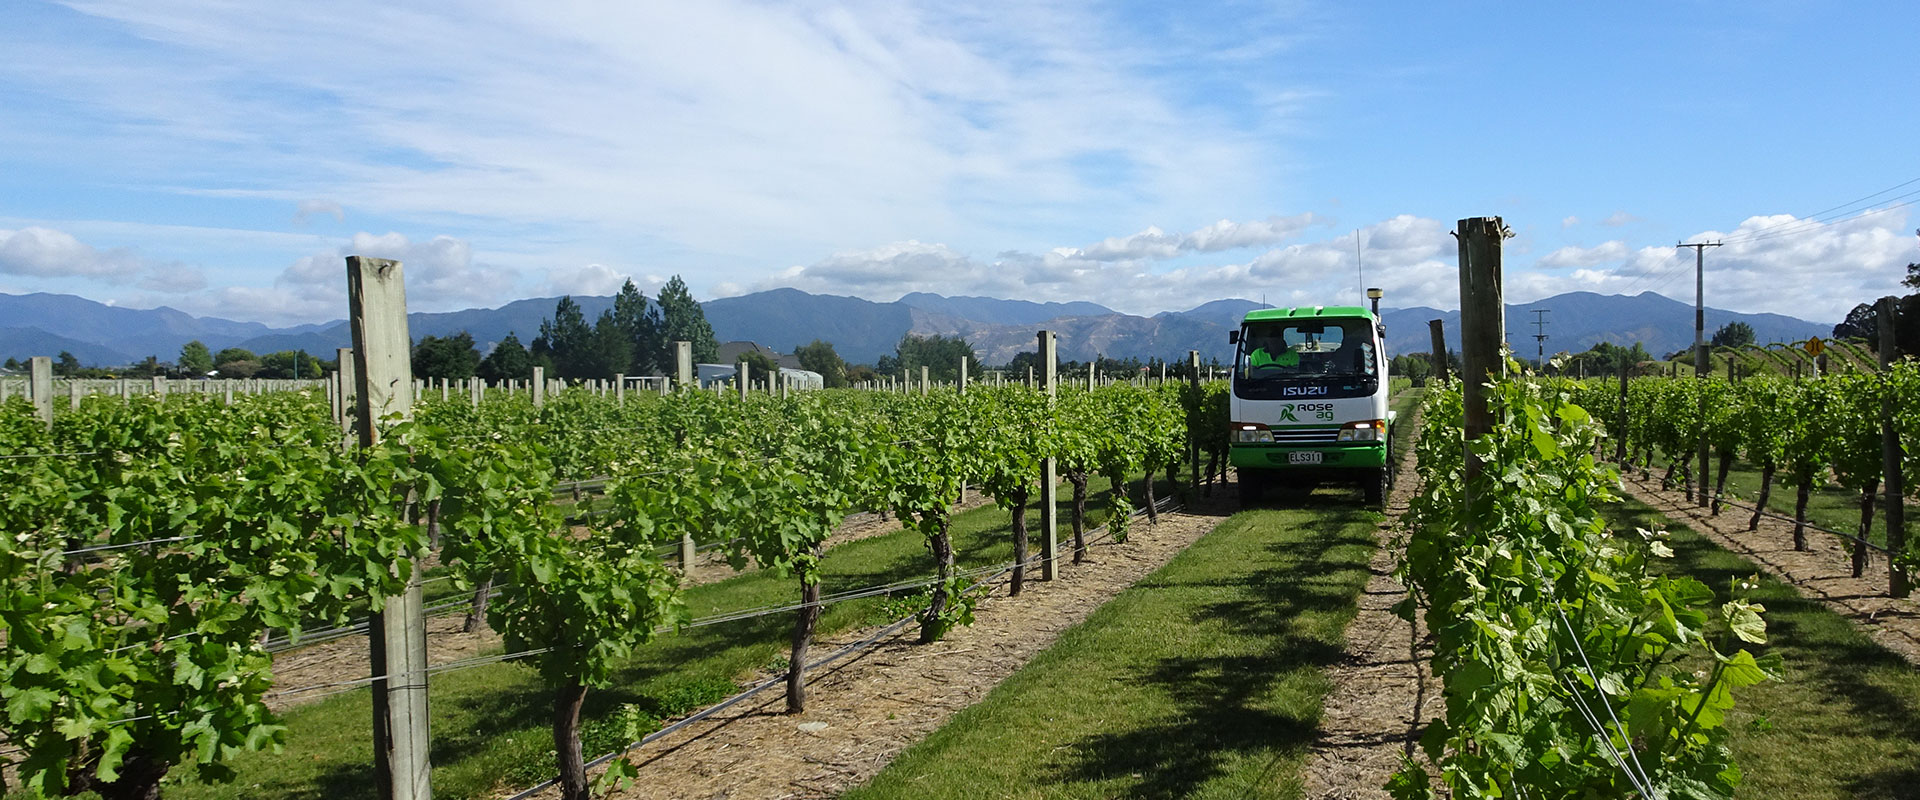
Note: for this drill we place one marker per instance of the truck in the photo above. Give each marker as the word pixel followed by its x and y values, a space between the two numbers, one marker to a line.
pixel 1308 400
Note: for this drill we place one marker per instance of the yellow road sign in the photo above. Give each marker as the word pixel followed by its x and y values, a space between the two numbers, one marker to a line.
pixel 1815 346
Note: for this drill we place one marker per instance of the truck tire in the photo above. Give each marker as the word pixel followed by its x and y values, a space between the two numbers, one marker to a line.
pixel 1252 483
pixel 1375 485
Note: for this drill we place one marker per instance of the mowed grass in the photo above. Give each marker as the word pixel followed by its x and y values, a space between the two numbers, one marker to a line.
pixel 1843 721
pixel 1203 680
pixel 490 724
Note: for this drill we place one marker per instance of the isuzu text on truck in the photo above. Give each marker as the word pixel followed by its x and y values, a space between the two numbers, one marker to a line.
pixel 1309 400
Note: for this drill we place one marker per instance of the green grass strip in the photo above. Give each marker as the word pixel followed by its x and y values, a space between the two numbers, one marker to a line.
pixel 1844 721
pixel 1203 680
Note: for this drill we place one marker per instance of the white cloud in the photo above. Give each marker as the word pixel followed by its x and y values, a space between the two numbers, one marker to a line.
pixel 440 272
pixel 1569 222
pixel 1572 256
pixel 592 279
pixel 309 208
pixel 693 129
pixel 1156 244
pixel 47 253
pixel 1619 218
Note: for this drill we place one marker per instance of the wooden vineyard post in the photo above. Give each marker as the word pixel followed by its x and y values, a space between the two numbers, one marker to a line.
pixel 926 380
pixel 74 392
pixel 683 364
pixel 539 386
pixel 377 314
pixel 1439 334
pixel 1193 436
pixel 1049 469
pixel 1620 434
pixel 1890 453
pixel 962 385
pixel 741 376
pixel 1483 328
pixel 40 387
pixel 159 386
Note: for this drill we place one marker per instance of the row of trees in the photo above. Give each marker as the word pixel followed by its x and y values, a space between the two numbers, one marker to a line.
pixel 1863 321
pixel 196 361
pixel 634 337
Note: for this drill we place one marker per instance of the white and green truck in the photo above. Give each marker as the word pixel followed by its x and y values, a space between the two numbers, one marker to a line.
pixel 1309 400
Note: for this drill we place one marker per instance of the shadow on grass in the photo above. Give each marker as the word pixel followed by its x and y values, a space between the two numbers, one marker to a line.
pixel 1298 605
pixel 1842 694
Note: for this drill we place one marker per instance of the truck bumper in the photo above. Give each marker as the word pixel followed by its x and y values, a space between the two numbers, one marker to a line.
pixel 1333 457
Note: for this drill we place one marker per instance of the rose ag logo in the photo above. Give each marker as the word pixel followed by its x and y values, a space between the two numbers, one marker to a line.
pixel 1302 391
pixel 1286 414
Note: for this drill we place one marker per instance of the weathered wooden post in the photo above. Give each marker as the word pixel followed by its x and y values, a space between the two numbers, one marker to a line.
pixel 40 387
pixel 1890 452
pixel 926 382
pixel 377 314
pixel 1483 327
pixel 962 385
pixel 1193 436
pixel 1049 477
pixel 1434 327
pixel 539 386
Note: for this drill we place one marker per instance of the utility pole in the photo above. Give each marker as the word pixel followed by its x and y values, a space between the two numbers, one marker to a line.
pixel 1540 336
pixel 1700 351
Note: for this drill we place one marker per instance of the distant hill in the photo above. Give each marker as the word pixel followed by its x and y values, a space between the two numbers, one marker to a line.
pixel 863 330
pixel 994 311
pixel 1576 321
pixel 23 343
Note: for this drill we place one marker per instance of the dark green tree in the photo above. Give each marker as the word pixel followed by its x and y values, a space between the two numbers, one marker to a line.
pixel 1017 368
pixel 68 364
pixel 940 354
pixel 508 361
pixel 639 322
pixel 195 359
pixel 233 354
pixel 289 364
pixel 14 364
pixel 451 357
pixel 681 320
pixel 609 349
pixel 759 366
pixel 564 341
pixel 1733 334
pixel 820 357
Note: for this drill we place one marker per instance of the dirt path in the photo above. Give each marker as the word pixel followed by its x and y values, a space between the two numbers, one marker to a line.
pixel 305 675
pixel 1383 690
pixel 864 710
pixel 1823 572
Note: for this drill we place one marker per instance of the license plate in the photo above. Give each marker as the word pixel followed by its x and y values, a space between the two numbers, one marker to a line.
pixel 1304 457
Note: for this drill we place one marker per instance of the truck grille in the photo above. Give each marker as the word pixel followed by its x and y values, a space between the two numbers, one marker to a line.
pixel 1305 435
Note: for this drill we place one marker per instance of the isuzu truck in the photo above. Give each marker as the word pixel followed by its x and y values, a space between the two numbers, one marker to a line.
pixel 1309 400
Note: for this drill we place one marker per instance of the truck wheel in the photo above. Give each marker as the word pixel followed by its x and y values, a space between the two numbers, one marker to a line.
pixel 1375 485
pixel 1252 483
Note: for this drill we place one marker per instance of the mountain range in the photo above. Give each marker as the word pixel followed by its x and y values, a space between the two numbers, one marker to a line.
pixel 863 330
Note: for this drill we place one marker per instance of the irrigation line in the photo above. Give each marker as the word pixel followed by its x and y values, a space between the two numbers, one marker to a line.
pixel 53 455
pixel 1784 518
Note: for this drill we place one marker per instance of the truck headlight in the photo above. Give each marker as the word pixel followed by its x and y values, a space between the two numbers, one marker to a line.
pixel 1252 433
pixel 1368 430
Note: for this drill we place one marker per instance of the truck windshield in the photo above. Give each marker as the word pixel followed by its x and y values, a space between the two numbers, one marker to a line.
pixel 1336 356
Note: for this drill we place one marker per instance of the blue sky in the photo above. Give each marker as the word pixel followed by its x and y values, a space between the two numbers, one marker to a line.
pixel 221 157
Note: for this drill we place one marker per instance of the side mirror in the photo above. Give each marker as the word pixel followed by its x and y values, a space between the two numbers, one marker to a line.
pixel 1233 337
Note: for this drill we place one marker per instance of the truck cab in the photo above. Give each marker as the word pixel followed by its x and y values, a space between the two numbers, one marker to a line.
pixel 1309 400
